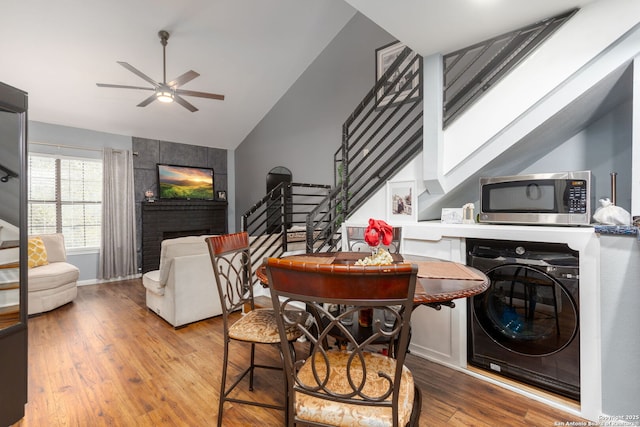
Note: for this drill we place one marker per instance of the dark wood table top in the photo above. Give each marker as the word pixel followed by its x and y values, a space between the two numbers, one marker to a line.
pixel 439 282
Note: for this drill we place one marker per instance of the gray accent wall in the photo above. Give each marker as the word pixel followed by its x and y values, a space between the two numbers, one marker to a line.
pixel 303 130
pixel 149 152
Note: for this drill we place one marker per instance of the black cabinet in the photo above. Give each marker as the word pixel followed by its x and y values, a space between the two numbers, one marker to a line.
pixel 13 254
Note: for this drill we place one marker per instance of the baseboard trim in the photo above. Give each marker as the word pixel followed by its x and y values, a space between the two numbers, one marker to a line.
pixel 97 281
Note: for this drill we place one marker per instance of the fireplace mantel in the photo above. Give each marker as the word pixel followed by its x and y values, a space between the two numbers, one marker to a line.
pixel 164 219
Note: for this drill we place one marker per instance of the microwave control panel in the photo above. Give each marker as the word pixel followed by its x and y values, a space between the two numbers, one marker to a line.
pixel 577 196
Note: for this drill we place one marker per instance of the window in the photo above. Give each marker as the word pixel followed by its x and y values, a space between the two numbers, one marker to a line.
pixel 65 196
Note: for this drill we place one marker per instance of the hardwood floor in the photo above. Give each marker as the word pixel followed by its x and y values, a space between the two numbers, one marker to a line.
pixel 106 360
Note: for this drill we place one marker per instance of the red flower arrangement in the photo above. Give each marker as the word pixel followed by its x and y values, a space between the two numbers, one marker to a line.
pixel 378 232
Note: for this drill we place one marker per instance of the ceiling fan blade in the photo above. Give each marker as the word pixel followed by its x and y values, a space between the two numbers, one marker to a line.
pixel 139 73
pixel 148 101
pixel 184 103
pixel 200 94
pixel 185 78
pixel 123 86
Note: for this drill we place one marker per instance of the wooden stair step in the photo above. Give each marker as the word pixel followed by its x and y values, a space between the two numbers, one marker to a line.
pixel 10 309
pixel 8 244
pixel 9 286
pixel 14 264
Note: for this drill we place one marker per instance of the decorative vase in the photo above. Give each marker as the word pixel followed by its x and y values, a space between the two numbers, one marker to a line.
pixel 374 249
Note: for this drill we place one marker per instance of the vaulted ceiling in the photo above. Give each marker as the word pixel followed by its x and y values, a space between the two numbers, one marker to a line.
pixel 249 50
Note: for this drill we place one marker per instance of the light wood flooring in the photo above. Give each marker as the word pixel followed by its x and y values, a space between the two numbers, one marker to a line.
pixel 105 360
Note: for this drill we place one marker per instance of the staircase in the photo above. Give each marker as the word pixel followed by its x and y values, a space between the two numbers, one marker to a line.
pixel 380 137
pixel 466 135
pixel 9 275
pixel 276 224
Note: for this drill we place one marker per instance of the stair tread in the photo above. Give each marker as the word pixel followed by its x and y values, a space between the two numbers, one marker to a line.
pixel 14 264
pixel 9 286
pixel 10 309
pixel 9 319
pixel 8 244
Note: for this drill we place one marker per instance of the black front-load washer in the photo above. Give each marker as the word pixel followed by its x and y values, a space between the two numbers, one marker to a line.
pixel 525 326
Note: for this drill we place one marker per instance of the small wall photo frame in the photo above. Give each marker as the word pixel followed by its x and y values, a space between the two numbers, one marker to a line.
pixel 402 202
pixel 221 195
pixel 385 56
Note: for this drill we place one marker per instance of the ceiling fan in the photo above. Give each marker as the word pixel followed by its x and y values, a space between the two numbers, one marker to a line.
pixel 165 91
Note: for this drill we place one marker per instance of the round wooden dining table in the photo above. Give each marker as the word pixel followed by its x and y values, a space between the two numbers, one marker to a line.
pixel 438 283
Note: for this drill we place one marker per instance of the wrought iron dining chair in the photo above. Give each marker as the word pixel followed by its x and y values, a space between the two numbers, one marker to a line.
pixel 356 386
pixel 356 242
pixel 231 259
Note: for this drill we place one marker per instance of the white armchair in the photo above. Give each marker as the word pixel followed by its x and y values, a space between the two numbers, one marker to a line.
pixel 183 290
pixel 56 283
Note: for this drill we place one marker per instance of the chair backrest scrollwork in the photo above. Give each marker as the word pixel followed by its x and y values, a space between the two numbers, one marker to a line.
pixel 231 260
pixel 366 377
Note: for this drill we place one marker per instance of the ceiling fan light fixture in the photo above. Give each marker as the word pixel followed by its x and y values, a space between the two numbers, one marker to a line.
pixel 162 91
pixel 165 96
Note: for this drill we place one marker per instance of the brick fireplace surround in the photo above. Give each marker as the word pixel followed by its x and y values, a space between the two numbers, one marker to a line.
pixel 166 219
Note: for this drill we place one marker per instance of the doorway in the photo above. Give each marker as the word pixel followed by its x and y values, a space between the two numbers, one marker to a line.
pixel 276 176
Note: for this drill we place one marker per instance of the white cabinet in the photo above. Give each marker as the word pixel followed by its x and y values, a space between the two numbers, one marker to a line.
pixel 619 296
pixel 438 335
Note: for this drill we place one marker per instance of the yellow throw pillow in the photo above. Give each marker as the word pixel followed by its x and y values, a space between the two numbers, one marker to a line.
pixel 37 252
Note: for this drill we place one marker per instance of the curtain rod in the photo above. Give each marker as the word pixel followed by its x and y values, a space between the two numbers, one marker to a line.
pixel 75 147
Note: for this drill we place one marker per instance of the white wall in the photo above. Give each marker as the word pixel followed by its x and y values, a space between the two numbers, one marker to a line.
pixel 635 155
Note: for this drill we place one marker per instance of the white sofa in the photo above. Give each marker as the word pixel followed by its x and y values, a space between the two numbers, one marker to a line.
pixel 183 290
pixel 55 284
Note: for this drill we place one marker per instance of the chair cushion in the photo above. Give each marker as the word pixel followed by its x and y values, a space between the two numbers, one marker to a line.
pixel 260 326
pixel 36 252
pixel 326 411
pixel 52 275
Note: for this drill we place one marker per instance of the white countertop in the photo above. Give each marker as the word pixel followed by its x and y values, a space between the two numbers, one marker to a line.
pixel 575 237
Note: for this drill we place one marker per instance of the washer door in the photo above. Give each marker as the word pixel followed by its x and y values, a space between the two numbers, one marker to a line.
pixel 526 311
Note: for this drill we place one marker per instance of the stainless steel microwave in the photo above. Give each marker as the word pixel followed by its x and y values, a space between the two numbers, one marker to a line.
pixel 562 198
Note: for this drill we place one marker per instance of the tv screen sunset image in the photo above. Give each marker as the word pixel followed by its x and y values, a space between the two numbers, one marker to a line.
pixel 182 182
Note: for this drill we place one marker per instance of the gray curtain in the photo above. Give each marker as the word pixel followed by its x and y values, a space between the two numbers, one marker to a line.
pixel 118 250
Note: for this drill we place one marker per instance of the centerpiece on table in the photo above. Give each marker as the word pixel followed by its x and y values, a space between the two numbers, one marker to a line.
pixel 377 233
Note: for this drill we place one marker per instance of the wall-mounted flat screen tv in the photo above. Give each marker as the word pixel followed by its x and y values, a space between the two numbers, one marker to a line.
pixel 185 182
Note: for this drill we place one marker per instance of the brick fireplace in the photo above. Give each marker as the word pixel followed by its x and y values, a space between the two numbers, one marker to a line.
pixel 166 219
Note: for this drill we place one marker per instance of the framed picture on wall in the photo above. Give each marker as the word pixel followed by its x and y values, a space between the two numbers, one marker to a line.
pixel 385 56
pixel 221 195
pixel 401 201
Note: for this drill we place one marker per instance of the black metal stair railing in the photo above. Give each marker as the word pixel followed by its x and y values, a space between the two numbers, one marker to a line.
pixel 7 173
pixel 381 136
pixel 276 223
pixel 468 73
pixel 384 132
